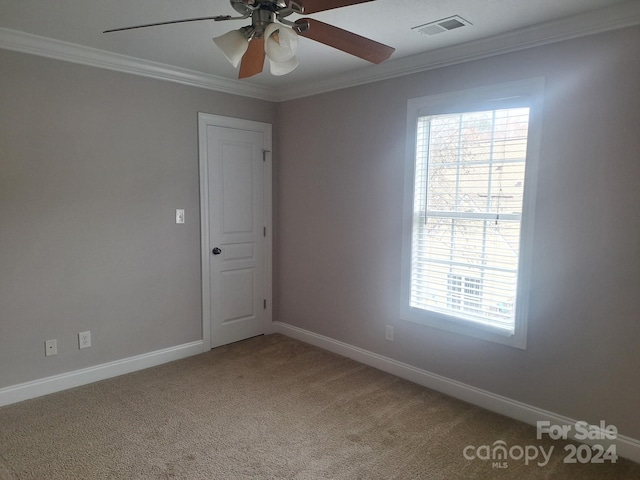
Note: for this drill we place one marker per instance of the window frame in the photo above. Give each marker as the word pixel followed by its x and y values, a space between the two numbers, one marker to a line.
pixel 527 93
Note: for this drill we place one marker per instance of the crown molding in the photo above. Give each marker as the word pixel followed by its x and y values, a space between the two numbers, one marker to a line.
pixel 71 52
pixel 589 23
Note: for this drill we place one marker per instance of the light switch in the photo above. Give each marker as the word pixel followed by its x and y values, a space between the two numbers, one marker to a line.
pixel 179 215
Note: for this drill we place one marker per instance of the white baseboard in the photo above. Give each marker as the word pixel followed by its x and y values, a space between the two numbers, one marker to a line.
pixel 626 447
pixel 56 383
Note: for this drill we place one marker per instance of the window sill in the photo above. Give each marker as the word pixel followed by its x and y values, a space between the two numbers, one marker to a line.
pixel 461 326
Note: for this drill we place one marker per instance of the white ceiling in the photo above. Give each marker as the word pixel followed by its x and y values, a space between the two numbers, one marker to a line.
pixel 496 24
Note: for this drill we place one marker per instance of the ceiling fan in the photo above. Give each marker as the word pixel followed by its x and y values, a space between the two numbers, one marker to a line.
pixel 273 36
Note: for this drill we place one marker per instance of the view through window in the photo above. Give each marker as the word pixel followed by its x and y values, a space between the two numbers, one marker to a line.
pixel 467 209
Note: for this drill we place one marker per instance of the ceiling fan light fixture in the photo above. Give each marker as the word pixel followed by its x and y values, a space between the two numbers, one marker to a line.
pixel 249 46
pixel 282 68
pixel 281 43
pixel 233 45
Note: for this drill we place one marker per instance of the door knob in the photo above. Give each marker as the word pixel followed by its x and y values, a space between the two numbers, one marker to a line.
pixel 216 251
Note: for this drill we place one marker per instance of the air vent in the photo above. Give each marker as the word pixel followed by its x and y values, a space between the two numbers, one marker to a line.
pixel 442 25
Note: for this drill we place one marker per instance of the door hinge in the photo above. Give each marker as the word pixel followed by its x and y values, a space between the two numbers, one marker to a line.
pixel 264 154
pixel 265 303
pixel 264 231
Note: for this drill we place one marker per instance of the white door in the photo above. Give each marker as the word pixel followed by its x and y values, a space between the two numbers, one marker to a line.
pixel 235 170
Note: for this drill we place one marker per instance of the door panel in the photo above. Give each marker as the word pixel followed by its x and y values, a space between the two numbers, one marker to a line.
pixel 237 187
pixel 237 287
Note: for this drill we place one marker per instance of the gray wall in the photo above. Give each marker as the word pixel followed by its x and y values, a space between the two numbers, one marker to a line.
pixel 93 164
pixel 340 195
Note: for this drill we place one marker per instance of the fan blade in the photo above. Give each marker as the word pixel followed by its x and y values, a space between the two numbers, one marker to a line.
pixel 314 6
pixel 217 18
pixel 348 42
pixel 253 60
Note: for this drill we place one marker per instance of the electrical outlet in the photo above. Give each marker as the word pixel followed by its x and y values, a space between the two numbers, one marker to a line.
pixel 50 347
pixel 84 339
pixel 388 334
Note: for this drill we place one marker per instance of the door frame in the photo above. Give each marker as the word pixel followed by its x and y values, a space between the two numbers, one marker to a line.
pixel 204 120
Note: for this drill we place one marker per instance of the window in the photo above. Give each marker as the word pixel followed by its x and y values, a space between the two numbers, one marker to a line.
pixel 469 192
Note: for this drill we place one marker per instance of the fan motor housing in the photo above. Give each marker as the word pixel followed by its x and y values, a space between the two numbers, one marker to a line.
pixel 241 7
pixel 245 7
pixel 281 7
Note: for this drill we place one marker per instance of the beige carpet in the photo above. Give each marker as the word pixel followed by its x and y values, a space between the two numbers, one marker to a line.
pixel 266 408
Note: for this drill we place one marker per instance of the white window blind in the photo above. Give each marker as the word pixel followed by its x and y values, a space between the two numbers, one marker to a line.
pixel 467 210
